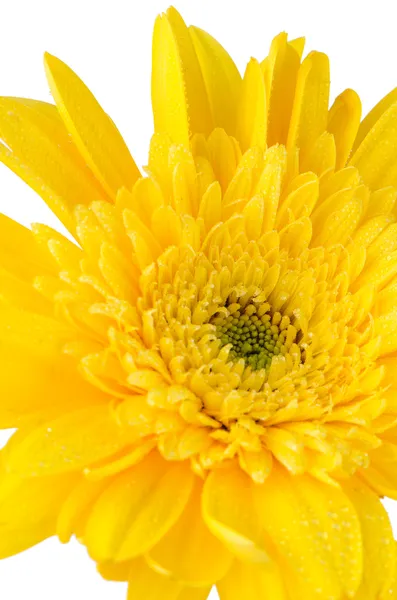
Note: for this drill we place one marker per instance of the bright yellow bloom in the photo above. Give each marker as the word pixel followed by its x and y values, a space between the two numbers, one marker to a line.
pixel 203 385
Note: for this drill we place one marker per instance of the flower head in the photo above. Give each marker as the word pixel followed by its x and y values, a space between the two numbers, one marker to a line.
pixel 202 381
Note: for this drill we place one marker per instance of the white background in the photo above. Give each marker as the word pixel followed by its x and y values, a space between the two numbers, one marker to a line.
pixel 109 44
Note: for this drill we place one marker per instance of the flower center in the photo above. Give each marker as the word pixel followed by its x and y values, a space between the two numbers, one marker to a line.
pixel 255 333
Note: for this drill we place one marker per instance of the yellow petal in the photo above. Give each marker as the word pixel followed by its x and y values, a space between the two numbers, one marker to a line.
pixel 373 116
pixel 381 475
pixel 254 213
pixel 281 72
pixel 379 273
pixel 299 45
pixel 392 593
pixel 321 157
pixel 106 528
pixel 382 202
pixel 59 446
pixel 339 226
pixel 385 326
pixel 144 583
pixel 379 547
pixel 252 113
pixel 179 98
pixel 221 77
pixel 287 448
pixel 160 511
pixel 14 541
pixel 310 112
pixel 115 571
pixel 194 594
pixel 28 509
pixel 223 157
pixel 386 301
pixel 19 252
pixel 339 523
pixel 343 123
pixel 375 157
pixel 189 552
pixel 22 295
pixel 270 182
pixel 146 508
pixel 166 227
pixel 35 374
pixel 145 198
pixel 94 133
pixel 295 238
pixel 296 537
pixel 71 518
pixel 301 199
pixel 159 151
pixel 139 232
pixel 211 205
pixel 252 582
pixel 229 511
pixel 43 159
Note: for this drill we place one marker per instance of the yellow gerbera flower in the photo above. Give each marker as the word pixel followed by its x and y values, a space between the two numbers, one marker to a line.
pixel 203 385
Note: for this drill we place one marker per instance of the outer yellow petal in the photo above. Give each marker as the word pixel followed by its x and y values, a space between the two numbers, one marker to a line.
pixel 72 516
pixel 28 510
pixel 280 71
pixel 223 157
pixel 373 116
pixel 68 443
pixel 37 148
pixel 147 507
pixel 379 547
pixel 343 123
pixel 35 375
pixel 13 541
pixel 211 205
pixel 392 595
pixel 381 475
pixel 386 327
pixel 295 535
pixel 221 77
pixel 145 584
pixel 340 224
pixel 19 252
pixel 229 511
pixel 22 295
pixel 106 528
pixel 93 132
pixel 252 582
pixel 299 45
pixel 160 512
pixel 321 157
pixel 115 571
pixel 375 157
pixel 270 182
pixel 252 113
pixel 21 260
pixel 170 110
pixel 179 97
pixel 189 552
pixel 300 197
pixel 310 112
pixel 194 594
pixel 338 521
pixel 381 202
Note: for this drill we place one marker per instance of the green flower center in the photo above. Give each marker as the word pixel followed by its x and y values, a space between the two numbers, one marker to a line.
pixel 255 333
